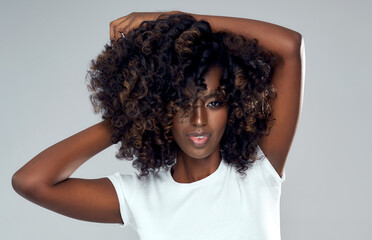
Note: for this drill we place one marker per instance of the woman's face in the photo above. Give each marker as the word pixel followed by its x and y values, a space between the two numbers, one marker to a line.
pixel 208 119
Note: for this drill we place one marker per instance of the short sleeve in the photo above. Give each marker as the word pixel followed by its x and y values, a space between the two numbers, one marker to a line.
pixel 125 186
pixel 269 172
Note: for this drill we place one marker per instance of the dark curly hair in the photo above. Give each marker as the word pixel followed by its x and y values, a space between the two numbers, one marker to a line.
pixel 140 82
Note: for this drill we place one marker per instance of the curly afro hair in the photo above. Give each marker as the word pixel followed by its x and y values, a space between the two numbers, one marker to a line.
pixel 140 82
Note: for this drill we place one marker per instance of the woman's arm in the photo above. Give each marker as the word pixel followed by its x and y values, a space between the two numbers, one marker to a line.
pixel 271 36
pixel 278 39
pixel 45 180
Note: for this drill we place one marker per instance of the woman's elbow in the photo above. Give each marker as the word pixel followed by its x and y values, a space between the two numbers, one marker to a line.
pixel 19 184
pixel 24 185
pixel 292 45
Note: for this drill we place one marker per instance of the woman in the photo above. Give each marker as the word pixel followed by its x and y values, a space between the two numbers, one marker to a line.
pixel 208 105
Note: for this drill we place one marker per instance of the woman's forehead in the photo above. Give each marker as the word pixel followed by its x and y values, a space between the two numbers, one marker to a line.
pixel 212 79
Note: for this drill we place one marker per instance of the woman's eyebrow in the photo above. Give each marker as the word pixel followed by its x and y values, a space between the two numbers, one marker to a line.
pixel 212 94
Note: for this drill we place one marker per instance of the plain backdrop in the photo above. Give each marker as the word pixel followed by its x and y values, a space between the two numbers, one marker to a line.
pixel 45 51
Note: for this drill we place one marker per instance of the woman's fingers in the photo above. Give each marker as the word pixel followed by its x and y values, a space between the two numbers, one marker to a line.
pixel 129 22
pixel 124 24
pixel 117 27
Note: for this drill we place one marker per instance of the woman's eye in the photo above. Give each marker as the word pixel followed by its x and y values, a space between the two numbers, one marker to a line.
pixel 216 104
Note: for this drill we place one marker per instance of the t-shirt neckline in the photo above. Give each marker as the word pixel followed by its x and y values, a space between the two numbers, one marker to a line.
pixel 212 177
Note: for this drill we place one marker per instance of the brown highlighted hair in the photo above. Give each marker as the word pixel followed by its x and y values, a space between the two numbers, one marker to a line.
pixel 140 82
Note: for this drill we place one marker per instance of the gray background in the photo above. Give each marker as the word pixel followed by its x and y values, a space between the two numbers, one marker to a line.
pixel 46 48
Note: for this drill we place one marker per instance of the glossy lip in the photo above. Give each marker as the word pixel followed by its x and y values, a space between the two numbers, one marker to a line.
pixel 197 134
pixel 199 145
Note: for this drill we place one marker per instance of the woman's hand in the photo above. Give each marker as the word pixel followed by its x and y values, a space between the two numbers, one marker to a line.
pixel 132 21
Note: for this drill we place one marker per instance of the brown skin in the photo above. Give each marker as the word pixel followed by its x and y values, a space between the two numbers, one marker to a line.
pixel 209 115
pixel 45 179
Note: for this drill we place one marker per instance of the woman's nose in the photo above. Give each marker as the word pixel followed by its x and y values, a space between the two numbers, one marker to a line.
pixel 199 116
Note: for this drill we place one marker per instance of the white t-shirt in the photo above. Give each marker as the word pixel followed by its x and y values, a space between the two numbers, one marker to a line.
pixel 223 205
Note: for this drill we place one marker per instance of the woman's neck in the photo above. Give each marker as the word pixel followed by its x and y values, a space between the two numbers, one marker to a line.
pixel 188 169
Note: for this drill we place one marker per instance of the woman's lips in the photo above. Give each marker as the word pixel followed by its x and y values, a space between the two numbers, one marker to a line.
pixel 199 142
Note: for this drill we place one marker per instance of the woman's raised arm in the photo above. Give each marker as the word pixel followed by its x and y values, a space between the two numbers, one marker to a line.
pixel 273 37
pixel 45 180
pixel 278 39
